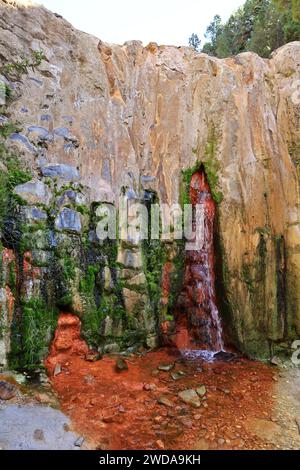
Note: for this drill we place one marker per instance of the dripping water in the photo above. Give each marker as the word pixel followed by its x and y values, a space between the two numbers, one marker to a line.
pixel 199 327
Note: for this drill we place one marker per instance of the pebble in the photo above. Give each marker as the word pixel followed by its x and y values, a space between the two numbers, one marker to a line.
pixel 190 397
pixel 165 401
pixel 93 356
pixel 57 370
pixel 166 367
pixel 201 391
pixel 160 444
pixel 121 365
pixel 79 442
pixel 186 422
pixel 158 419
pixel 178 375
pixel 149 387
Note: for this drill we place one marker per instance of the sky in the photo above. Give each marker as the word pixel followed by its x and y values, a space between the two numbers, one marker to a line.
pixel 168 22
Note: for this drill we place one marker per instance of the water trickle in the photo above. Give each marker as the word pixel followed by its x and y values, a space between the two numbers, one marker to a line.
pixel 198 321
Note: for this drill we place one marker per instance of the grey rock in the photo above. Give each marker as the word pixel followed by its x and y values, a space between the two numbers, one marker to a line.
pixel 40 133
pixel 34 214
pixel 276 361
pixel 3 119
pixel 71 196
pixel 64 132
pixel 46 117
pixel 62 171
pixel 131 195
pixel 201 391
pixel 24 141
pixel 34 192
pixel 112 348
pixel 166 367
pixel 68 220
pixel 79 442
pixel 190 397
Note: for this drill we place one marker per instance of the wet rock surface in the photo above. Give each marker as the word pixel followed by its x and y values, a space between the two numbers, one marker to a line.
pixel 30 418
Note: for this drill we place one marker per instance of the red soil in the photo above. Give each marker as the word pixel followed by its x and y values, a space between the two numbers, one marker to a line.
pixel 120 410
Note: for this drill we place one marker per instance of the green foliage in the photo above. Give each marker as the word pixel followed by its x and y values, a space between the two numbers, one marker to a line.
pixel 22 66
pixel 186 183
pixel 211 166
pixel 195 42
pixel 5 90
pixel 9 179
pixel 8 128
pixel 260 26
pixel 292 6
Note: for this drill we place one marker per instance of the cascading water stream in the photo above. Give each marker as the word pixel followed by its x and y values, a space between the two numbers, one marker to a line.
pixel 198 321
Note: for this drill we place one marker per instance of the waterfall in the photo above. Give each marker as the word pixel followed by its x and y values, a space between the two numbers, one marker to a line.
pixel 199 325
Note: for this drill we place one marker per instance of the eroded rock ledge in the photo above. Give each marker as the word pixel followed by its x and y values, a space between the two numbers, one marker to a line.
pixel 94 120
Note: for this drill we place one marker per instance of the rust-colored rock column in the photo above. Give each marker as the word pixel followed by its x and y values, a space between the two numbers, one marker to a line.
pixel 198 321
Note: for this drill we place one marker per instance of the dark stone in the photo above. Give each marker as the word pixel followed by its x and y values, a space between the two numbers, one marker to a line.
pixel 121 365
pixel 225 356
pixel 7 391
pixel 79 442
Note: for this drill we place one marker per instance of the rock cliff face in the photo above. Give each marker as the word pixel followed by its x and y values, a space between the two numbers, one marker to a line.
pixel 84 122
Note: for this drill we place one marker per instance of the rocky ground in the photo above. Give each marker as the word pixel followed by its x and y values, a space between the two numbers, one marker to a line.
pixel 159 400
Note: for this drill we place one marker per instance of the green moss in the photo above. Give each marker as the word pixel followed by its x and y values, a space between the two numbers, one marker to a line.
pixel 32 334
pixel 294 152
pixel 6 91
pixel 8 128
pixel 154 258
pixel 211 166
pixel 82 209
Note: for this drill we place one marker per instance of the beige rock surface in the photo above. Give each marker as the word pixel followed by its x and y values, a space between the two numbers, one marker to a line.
pixel 133 116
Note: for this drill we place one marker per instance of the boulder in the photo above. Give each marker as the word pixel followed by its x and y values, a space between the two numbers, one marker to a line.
pixel 68 220
pixel 34 192
pixel 61 171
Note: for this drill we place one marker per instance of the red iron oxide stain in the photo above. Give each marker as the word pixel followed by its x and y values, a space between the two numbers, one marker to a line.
pixel 197 316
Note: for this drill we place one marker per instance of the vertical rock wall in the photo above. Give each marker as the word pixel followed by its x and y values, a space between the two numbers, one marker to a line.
pixel 91 121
